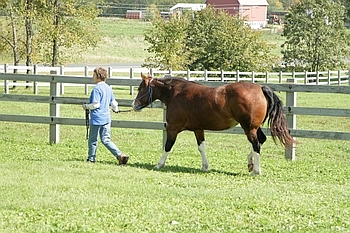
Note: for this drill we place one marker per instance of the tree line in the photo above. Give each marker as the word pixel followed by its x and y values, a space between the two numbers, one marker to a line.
pixel 48 32
pixel 315 39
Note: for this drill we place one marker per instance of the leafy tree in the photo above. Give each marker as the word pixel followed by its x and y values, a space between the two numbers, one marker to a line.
pixel 316 38
pixel 168 43
pixel 48 31
pixel 206 40
pixel 11 38
pixel 217 41
pixel 29 15
pixel 66 25
pixel 288 3
pixel 275 5
pixel 346 4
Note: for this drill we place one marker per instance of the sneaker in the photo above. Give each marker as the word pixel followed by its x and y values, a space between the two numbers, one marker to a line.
pixel 123 159
pixel 90 161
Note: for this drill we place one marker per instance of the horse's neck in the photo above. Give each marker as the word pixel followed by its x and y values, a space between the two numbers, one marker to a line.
pixel 166 91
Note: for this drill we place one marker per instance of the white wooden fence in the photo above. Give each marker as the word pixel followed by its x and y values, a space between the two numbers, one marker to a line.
pixel 339 77
pixel 54 100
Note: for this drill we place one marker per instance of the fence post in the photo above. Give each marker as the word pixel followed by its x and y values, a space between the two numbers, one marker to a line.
pixel 237 76
pixel 349 77
pixel 291 101
pixel 280 77
pixel 131 77
pixel 253 77
pixel 86 74
pixel 62 84
pixel 35 83
pixel 54 111
pixel 6 82
pixel 205 75
pixel 188 75
pixel 329 77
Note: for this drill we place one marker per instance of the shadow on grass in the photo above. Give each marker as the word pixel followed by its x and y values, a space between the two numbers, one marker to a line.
pixel 180 169
pixel 167 169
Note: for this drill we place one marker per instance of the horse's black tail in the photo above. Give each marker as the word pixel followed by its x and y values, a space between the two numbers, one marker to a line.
pixel 277 121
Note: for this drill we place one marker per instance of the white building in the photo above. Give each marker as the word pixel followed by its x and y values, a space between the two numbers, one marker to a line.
pixel 187 6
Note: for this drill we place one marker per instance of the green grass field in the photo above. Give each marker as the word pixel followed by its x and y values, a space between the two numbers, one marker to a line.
pixel 48 188
pixel 123 42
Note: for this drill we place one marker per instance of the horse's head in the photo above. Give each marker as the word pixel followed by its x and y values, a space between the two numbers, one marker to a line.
pixel 145 93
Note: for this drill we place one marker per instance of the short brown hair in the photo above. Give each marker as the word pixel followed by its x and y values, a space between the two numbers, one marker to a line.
pixel 101 73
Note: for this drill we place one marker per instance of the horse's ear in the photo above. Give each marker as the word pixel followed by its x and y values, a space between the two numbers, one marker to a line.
pixel 144 77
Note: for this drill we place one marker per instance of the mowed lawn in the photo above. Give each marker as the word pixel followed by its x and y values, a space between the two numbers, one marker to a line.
pixel 50 188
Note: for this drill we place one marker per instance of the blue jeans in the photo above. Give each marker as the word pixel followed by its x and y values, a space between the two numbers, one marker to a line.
pixel 105 134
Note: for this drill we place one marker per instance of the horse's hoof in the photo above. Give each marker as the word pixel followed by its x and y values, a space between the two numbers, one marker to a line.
pixel 250 167
pixel 255 173
pixel 157 167
pixel 205 169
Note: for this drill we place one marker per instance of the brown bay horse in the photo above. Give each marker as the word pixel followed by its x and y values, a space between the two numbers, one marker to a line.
pixel 197 107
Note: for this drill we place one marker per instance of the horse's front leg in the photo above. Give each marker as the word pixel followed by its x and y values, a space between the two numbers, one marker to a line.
pixel 201 147
pixel 171 138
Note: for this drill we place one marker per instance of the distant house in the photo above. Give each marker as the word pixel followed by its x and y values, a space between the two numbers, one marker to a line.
pixel 133 14
pixel 254 12
pixel 180 7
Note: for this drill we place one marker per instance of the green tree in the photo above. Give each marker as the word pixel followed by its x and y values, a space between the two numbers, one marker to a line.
pixel 217 41
pixel 346 4
pixel 69 27
pixel 288 3
pixel 29 16
pixel 275 5
pixel 48 31
pixel 316 38
pixel 11 32
pixel 207 40
pixel 168 43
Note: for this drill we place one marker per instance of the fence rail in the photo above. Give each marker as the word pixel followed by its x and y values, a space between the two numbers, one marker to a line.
pixel 54 100
pixel 338 77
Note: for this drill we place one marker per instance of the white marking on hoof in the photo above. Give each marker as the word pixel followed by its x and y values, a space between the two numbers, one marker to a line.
pixel 250 159
pixel 205 168
pixel 254 163
pixel 255 173
pixel 159 166
pixel 162 161
pixel 205 164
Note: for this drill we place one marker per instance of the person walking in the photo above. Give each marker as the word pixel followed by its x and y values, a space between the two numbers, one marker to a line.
pixel 101 98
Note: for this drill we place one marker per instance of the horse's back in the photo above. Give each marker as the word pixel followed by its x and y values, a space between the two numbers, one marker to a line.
pixel 215 108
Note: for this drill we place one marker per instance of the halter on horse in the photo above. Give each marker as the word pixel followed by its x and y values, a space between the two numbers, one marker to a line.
pixel 196 107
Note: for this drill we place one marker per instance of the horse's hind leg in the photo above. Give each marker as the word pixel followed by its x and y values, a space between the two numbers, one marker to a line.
pixel 254 136
pixel 261 136
pixel 201 147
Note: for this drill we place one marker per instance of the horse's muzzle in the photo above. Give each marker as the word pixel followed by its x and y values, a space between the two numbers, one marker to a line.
pixel 135 105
